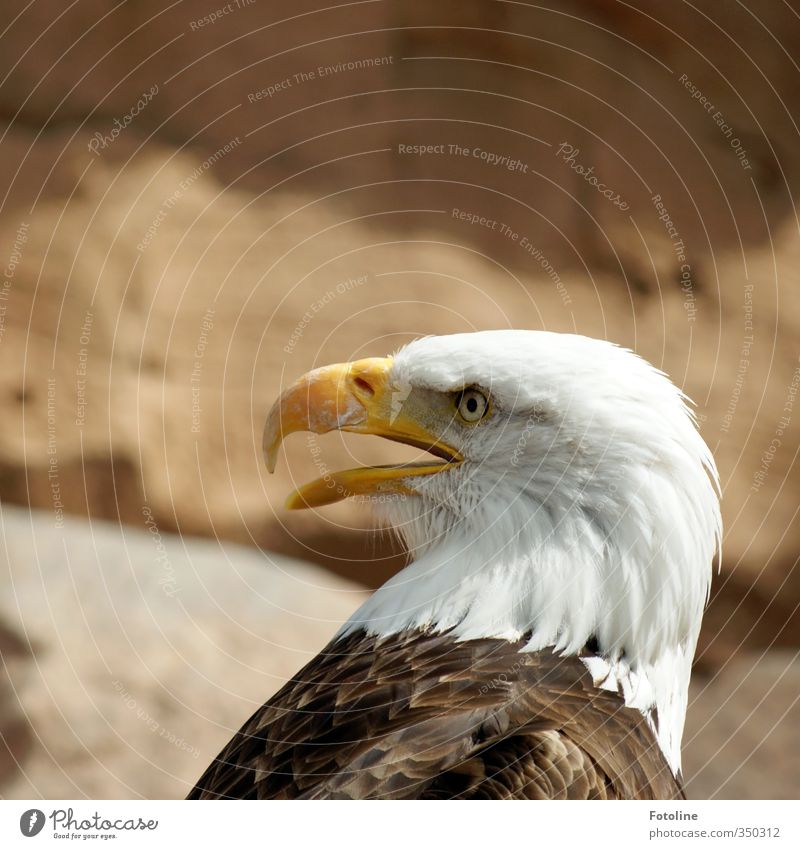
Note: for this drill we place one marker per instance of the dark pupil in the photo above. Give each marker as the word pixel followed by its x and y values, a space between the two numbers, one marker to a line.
pixel 472 404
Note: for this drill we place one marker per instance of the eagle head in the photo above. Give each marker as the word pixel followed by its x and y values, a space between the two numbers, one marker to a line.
pixel 568 498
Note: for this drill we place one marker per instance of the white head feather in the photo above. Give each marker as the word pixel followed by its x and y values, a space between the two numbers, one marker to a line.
pixel 587 507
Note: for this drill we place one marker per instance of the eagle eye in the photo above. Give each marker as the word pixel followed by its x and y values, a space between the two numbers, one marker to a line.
pixel 472 405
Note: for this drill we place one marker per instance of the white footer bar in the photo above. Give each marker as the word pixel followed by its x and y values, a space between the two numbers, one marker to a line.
pixel 385 825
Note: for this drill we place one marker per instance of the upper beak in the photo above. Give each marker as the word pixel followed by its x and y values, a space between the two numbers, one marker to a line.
pixel 358 397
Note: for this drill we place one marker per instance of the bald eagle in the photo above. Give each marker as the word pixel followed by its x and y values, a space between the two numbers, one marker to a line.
pixel 539 642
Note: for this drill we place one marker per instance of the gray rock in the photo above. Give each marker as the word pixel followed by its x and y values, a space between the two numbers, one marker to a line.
pixel 147 651
pixel 741 729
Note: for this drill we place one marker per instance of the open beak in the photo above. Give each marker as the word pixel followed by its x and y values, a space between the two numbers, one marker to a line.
pixel 357 397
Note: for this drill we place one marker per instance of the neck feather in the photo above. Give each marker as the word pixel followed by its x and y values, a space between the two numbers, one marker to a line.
pixel 567 577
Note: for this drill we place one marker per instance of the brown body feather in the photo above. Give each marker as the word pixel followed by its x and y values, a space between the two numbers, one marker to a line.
pixel 416 715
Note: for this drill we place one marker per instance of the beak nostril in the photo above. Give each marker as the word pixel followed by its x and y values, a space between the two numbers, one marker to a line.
pixel 364 386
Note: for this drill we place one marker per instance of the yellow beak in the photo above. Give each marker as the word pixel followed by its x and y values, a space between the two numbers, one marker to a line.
pixel 357 397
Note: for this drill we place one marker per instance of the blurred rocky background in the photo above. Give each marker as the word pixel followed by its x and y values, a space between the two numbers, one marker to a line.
pixel 201 201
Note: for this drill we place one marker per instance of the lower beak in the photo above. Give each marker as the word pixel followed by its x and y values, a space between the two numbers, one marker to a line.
pixel 357 397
